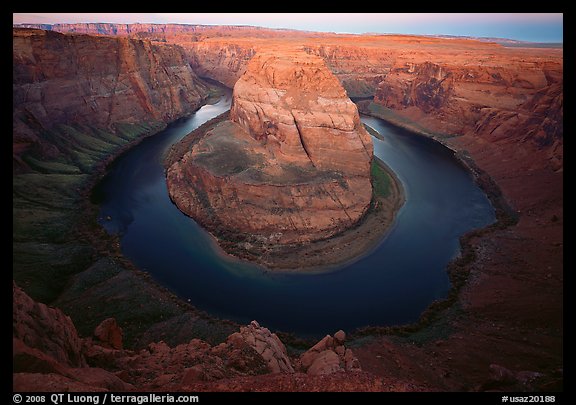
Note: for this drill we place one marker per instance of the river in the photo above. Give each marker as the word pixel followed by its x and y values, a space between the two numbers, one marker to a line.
pixel 390 286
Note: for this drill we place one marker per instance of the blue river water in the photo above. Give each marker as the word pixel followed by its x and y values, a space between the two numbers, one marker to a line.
pixel 390 286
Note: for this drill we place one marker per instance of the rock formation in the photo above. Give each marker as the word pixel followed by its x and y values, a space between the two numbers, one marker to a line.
pixel 220 60
pixel 109 334
pixel 265 343
pixel 451 86
pixel 329 356
pixel 291 165
pixel 37 326
pixel 48 355
pixel 494 96
pixel 486 101
pixel 96 81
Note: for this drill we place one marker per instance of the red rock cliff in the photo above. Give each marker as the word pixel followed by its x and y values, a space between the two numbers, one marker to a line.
pixel 499 98
pixel 295 105
pixel 97 81
pixel 293 163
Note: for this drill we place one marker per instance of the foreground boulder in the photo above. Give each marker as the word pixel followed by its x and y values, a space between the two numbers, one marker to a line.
pixel 48 354
pixel 263 342
pixel 109 334
pixel 328 356
pixel 47 329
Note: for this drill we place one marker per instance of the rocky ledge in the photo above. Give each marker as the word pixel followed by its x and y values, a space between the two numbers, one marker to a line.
pixel 290 166
pixel 49 355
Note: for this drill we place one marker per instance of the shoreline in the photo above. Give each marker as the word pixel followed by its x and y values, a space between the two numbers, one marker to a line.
pixel 321 256
pixel 459 267
pixel 107 247
pixel 354 243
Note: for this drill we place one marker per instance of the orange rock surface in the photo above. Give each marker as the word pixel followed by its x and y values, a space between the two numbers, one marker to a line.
pixel 48 355
pixel 293 163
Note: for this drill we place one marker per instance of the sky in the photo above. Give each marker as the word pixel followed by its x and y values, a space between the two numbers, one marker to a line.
pixel 537 27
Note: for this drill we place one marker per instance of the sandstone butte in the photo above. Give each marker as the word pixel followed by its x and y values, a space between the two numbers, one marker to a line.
pixel 500 106
pixel 291 165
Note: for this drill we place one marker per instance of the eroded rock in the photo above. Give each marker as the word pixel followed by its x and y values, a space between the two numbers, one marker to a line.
pixel 292 164
pixel 47 329
pixel 328 356
pixel 109 334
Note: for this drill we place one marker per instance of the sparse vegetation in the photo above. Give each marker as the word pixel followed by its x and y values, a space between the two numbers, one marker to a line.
pixel 380 179
pixel 46 206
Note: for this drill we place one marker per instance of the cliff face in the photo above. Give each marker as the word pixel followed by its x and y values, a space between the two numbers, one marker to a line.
pixel 171 31
pixel 360 69
pixel 293 104
pixel 494 96
pixel 453 87
pixel 293 163
pixel 221 61
pixel 95 81
pixel 493 101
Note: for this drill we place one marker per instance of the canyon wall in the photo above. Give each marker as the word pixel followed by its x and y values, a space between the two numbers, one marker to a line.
pixel 96 81
pixel 505 98
pixel 78 101
pixel 220 60
pixel 449 87
pixel 453 86
pixel 169 32
pixel 291 165
pixel 432 85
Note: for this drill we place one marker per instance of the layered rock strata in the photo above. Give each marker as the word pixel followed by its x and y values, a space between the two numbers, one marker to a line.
pixel 291 165
pixel 97 81
pixel 450 86
pixel 514 101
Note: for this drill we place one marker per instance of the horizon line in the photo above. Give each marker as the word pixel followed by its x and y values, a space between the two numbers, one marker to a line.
pixel 445 36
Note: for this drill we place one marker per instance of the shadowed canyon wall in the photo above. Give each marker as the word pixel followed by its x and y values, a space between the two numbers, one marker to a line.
pixel 95 81
pixel 78 101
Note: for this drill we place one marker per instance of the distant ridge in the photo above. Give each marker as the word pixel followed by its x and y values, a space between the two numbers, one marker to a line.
pixel 512 43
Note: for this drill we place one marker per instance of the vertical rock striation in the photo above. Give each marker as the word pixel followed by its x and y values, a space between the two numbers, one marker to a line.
pixel 73 79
